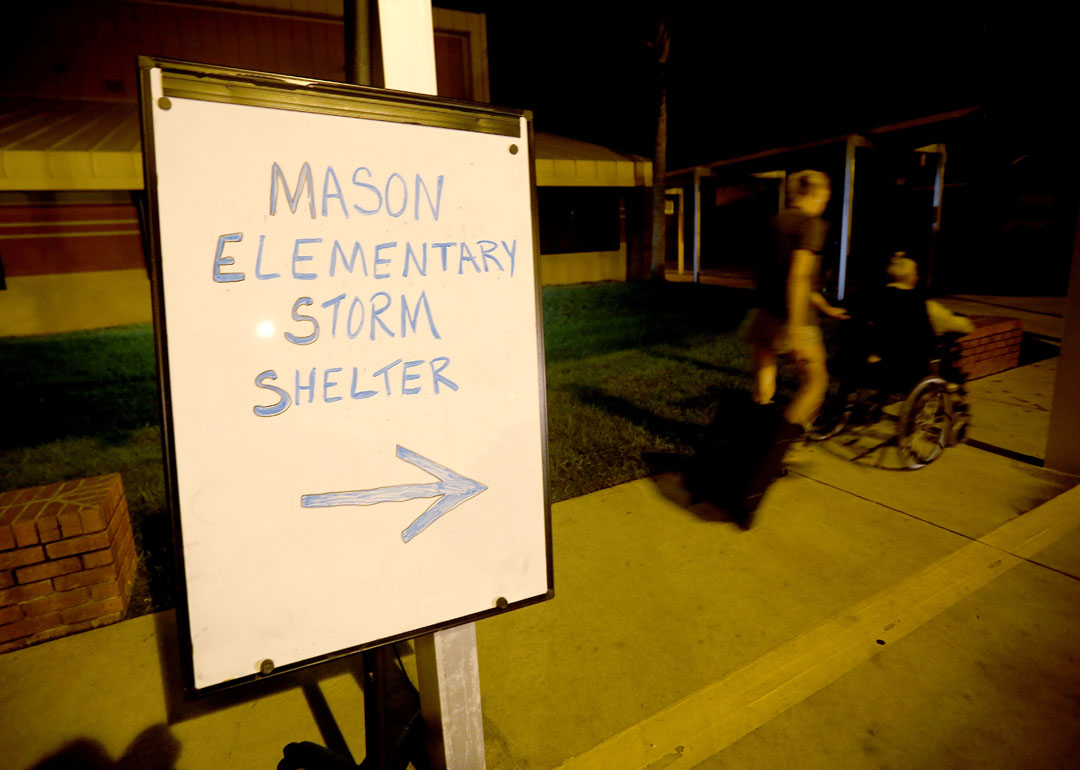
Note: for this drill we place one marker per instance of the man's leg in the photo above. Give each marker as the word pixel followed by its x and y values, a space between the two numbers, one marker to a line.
pixel 759 458
pixel 764 375
pixel 813 385
pixel 765 456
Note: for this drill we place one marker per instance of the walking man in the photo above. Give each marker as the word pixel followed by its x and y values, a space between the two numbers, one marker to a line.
pixel 786 322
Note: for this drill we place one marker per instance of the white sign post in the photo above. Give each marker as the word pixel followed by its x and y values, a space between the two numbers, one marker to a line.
pixel 352 363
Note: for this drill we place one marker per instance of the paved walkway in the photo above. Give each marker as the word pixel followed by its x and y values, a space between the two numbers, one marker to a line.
pixel 872 618
pixel 1041 316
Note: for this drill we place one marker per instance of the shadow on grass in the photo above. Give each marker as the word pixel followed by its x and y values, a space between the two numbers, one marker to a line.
pixel 702 474
pixel 707 480
pixel 697 363
pixel 101 383
pixel 109 411
pixel 667 429
pixel 155 588
pixel 594 319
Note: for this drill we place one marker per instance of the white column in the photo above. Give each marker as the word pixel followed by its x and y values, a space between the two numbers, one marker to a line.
pixel 697 224
pixel 846 217
pixel 939 190
pixel 446 661
pixel 408 45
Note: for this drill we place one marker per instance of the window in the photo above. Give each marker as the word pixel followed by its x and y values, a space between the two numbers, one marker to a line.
pixel 576 219
pixel 453 70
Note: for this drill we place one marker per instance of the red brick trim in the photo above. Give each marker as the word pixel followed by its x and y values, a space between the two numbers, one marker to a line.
pixel 67 559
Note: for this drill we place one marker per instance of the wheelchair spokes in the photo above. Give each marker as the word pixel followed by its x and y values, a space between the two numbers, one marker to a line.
pixel 832 420
pixel 920 424
pixel 925 423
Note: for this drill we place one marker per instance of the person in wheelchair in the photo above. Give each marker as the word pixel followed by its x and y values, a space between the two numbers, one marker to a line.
pixel 895 338
pixel 901 339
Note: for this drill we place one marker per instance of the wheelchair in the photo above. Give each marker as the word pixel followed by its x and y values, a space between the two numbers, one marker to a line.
pixel 920 413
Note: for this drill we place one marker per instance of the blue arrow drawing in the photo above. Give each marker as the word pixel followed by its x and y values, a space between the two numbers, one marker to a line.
pixel 452 489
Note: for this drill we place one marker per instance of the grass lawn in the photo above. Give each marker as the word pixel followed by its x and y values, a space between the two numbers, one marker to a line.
pixel 634 371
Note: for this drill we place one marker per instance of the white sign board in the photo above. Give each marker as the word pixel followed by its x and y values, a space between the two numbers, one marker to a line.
pixel 352 362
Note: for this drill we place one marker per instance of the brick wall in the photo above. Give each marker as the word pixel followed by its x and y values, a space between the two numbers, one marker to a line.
pixel 67 559
pixel 993 347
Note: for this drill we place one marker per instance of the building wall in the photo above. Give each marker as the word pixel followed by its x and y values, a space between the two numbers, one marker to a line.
pixel 583 267
pixel 47 304
pixel 582 234
pixel 78 50
pixel 73 49
pixel 71 261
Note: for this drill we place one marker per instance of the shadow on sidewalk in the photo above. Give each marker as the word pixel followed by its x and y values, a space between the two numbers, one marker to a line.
pixel 1036 347
pixel 703 482
pixel 155 748
pixel 399 722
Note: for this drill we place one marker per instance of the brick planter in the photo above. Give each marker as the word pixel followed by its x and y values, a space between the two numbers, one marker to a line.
pixel 993 347
pixel 67 559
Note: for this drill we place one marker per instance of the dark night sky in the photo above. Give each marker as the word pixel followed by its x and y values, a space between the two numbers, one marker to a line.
pixel 741 81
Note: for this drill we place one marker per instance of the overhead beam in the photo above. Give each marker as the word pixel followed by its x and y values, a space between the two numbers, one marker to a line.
pixel 929 119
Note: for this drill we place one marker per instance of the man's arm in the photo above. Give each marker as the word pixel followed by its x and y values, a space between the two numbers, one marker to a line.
pixel 798 287
pixel 823 306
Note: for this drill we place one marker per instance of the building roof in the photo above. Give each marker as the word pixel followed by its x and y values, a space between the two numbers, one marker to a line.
pixel 778 152
pixel 565 162
pixel 85 145
pixel 69 145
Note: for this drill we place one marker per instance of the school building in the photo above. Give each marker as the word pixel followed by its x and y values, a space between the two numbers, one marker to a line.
pixel 71 177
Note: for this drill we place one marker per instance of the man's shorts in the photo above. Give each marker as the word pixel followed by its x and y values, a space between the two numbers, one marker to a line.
pixel 764 330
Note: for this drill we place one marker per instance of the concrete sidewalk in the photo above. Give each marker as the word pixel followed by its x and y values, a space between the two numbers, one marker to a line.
pixel 1041 316
pixel 871 618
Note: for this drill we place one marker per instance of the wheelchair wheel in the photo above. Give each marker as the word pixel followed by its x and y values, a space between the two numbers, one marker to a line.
pixel 924 425
pixel 831 421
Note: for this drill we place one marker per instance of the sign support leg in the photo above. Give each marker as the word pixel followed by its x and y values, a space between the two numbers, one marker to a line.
pixel 449 674
pixel 376 674
pixel 393 729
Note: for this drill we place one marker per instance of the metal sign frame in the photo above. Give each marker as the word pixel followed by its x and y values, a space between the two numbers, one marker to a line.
pixel 189 80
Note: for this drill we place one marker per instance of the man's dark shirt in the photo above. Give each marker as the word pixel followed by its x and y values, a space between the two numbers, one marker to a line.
pixel 792 229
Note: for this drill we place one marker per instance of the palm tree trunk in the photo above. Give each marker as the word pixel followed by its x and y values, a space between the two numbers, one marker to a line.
pixel 659 222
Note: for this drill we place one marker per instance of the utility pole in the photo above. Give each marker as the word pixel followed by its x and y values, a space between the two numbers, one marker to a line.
pixel 363 51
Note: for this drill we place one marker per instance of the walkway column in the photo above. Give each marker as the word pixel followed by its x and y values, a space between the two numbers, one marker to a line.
pixel 697 224
pixel 680 215
pixel 1063 443
pixel 937 150
pixel 846 216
